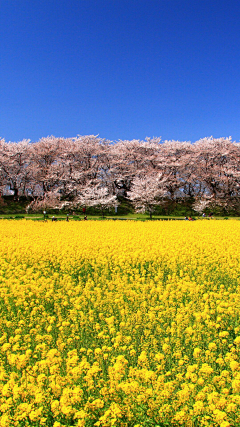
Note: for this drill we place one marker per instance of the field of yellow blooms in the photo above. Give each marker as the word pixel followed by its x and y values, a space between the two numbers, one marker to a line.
pixel 120 323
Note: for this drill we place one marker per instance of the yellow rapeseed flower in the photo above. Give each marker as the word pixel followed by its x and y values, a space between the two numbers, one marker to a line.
pixel 114 323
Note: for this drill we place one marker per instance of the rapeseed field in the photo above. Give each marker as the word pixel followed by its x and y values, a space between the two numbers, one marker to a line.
pixel 124 324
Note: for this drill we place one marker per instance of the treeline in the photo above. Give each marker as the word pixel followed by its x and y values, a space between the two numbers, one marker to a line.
pixel 90 171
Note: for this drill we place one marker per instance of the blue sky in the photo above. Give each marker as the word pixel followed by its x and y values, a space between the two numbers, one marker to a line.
pixel 122 69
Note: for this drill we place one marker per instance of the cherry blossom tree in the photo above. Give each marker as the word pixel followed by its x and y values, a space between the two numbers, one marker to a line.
pixel 45 165
pixel 50 200
pixel 129 159
pixel 14 171
pixel 97 196
pixel 146 193
pixel 216 168
pixel 82 160
pixel 200 206
pixel 175 159
pixel 207 170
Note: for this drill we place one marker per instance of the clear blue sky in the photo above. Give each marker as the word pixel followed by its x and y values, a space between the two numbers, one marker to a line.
pixel 122 69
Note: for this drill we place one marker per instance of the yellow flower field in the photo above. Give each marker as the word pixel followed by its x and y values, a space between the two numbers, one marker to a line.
pixel 124 324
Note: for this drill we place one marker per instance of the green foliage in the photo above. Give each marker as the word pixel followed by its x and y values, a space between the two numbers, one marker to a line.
pixel 172 208
pixel 11 206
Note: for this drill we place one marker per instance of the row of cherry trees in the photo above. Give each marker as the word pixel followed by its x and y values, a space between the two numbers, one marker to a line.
pixel 90 171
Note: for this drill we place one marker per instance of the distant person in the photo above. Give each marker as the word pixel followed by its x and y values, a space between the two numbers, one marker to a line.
pixel 85 218
pixel 54 219
pixel 67 219
pixel 204 215
pixel 186 218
